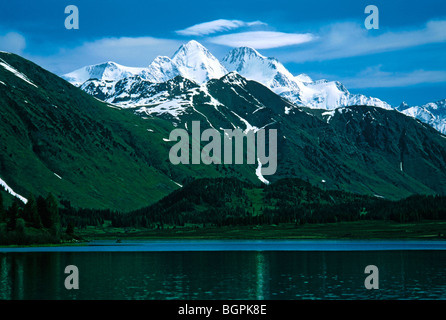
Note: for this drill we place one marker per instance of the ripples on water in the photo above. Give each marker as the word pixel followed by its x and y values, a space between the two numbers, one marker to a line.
pixel 224 275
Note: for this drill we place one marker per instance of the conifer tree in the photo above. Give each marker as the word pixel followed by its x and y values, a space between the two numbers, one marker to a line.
pixel 12 215
pixel 53 214
pixel 31 214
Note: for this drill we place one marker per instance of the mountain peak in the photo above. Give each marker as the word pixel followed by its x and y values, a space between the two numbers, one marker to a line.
pixel 240 54
pixel 196 63
pixel 404 105
pixel 234 78
pixel 194 44
pixel 190 47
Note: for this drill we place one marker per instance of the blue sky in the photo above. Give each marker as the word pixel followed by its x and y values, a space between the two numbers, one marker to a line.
pixel 403 60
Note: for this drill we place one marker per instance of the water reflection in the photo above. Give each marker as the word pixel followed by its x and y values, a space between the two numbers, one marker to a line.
pixel 262 276
pixel 224 275
pixel 5 285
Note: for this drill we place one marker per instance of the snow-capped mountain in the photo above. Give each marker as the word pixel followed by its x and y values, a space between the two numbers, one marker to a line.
pixel 361 149
pixel 134 91
pixel 194 62
pixel 268 71
pixel 107 71
pixel 433 113
pixel 162 69
pixel 301 89
pixel 191 60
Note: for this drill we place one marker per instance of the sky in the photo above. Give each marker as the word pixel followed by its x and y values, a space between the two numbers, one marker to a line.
pixel 402 60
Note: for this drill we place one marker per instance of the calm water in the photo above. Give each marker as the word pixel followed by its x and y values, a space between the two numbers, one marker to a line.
pixel 274 270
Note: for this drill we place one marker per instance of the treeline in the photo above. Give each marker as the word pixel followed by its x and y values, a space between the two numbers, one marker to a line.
pixel 204 201
pixel 294 200
pixel 225 202
pixel 216 202
pixel 80 218
pixel 37 221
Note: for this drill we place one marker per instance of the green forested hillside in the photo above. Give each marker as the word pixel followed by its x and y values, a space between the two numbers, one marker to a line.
pixel 56 138
pixel 228 201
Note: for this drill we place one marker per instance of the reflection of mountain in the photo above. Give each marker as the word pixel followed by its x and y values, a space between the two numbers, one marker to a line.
pixel 57 138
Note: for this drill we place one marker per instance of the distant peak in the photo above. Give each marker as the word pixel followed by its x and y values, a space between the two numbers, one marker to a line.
pixel 109 63
pixel 247 50
pixel 303 77
pixel 191 46
pixel 403 105
pixel 104 65
pixel 242 53
pixel 193 43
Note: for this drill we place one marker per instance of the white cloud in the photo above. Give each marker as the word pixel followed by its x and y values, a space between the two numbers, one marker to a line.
pixel 214 26
pixel 262 39
pixel 374 77
pixel 349 39
pixel 12 42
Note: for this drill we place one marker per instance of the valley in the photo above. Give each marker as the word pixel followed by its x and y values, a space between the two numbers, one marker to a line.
pixel 101 146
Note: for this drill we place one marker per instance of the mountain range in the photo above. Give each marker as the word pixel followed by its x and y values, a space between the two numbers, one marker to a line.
pixel 195 63
pixel 106 143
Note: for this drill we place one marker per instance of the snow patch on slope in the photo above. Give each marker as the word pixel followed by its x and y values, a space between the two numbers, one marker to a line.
pixel 259 172
pixel 15 72
pixel 9 190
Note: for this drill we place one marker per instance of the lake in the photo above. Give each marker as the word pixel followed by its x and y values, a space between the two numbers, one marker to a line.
pixel 236 269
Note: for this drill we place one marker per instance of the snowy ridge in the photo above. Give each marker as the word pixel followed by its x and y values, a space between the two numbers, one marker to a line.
pixel 110 71
pixel 194 62
pixel 139 87
pixel 191 60
pixel 300 89
pixel 433 113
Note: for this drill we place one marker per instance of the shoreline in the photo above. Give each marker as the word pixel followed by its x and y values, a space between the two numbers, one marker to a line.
pixel 357 230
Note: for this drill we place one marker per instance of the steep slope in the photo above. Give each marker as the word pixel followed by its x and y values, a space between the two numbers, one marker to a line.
pixel 387 145
pixel 360 149
pixel 56 138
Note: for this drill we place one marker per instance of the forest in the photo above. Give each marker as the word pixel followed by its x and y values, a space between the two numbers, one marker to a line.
pixel 214 202
pixel 231 202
